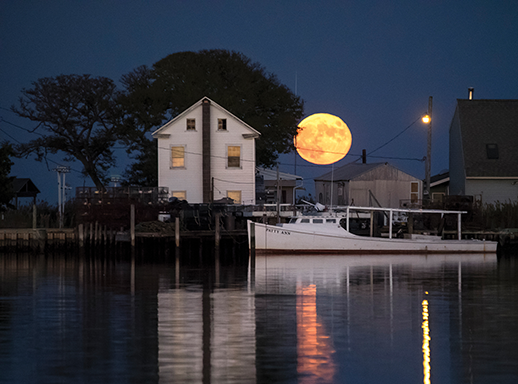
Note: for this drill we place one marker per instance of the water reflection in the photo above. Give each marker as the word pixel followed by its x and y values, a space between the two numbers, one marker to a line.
pixel 289 319
pixel 314 350
pixel 426 343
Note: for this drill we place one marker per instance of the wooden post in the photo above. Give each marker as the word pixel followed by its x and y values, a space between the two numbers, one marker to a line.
pixel 372 224
pixel 252 240
pixel 34 216
pixel 177 231
pixel 410 223
pixel 132 225
pixel 81 235
pixel 252 250
pixel 217 234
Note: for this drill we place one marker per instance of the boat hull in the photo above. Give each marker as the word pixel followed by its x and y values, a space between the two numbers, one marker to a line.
pixel 287 239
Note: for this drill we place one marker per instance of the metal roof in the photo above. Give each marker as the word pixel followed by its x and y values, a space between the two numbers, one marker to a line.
pixel 348 171
pixel 271 174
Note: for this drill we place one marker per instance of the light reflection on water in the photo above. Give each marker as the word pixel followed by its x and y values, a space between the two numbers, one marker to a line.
pixel 293 319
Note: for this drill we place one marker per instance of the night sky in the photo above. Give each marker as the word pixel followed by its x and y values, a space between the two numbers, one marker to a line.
pixel 372 63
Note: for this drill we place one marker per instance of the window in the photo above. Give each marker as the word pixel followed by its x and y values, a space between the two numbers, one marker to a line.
pixel 222 124
pixel 180 195
pixel 318 221
pixel 177 157
pixel 191 124
pixel 234 156
pixel 305 221
pixel 235 195
pixel 414 191
pixel 492 151
pixel 331 221
pixel 438 197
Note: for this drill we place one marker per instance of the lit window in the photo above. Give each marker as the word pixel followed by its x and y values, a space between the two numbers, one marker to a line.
pixel 191 124
pixel 177 157
pixel 492 151
pixel 180 195
pixel 414 191
pixel 234 156
pixel 222 124
pixel 235 195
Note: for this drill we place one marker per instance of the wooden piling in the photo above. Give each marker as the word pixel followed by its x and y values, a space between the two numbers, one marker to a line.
pixel 132 225
pixel 81 235
pixel 217 234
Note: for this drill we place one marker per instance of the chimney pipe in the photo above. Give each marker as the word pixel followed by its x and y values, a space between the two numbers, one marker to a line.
pixel 364 156
pixel 470 93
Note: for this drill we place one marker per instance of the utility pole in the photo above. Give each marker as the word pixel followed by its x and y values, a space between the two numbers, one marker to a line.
pixel 61 172
pixel 429 150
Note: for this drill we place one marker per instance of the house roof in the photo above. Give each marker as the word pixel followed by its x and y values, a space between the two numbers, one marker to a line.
pixel 441 178
pixel 348 171
pixel 196 105
pixel 489 122
pixel 271 174
pixel 24 187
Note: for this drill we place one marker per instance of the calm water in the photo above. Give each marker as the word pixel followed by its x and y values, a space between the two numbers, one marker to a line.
pixel 296 319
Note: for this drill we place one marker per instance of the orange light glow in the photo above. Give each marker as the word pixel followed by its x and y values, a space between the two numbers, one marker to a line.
pixel 426 119
pixel 426 343
pixel 315 362
pixel 323 139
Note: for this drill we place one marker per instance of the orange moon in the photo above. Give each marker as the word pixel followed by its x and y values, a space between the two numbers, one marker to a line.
pixel 323 139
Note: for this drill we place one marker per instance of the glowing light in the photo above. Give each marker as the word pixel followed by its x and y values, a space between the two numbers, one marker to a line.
pixel 426 119
pixel 323 139
pixel 426 344
pixel 314 351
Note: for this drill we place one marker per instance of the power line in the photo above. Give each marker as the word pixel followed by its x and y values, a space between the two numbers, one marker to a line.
pixel 9 136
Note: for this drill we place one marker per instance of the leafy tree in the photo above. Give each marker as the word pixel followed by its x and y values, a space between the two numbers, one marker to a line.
pixel 229 78
pixel 6 190
pixel 77 116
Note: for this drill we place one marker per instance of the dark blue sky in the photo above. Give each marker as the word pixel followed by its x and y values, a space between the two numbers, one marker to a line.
pixel 372 63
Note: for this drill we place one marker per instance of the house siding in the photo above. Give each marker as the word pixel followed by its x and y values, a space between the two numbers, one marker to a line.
pixel 387 184
pixel 191 177
pixel 456 162
pixel 492 191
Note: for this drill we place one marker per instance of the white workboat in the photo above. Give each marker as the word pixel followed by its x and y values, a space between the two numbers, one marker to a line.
pixel 324 234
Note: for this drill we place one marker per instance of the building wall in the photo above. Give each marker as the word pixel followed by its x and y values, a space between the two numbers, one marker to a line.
pixel 491 191
pixel 189 178
pixel 456 163
pixel 231 179
pixel 388 185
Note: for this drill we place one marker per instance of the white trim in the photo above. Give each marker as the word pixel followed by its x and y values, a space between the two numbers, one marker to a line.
pixel 196 105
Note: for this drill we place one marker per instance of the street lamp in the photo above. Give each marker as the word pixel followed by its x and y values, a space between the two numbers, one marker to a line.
pixel 427 119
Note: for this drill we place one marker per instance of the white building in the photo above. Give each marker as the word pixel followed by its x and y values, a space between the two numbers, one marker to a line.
pixel 206 153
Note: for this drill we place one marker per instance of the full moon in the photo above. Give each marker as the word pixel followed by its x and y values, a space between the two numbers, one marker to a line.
pixel 323 139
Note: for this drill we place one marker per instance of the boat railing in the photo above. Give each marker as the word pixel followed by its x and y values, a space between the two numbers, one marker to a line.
pixel 391 212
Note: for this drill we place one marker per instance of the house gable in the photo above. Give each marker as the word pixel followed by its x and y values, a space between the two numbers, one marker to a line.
pixel 207 153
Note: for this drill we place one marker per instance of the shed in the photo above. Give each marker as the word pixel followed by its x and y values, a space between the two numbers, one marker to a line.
pixel 375 184
pixel 288 184
pixel 24 187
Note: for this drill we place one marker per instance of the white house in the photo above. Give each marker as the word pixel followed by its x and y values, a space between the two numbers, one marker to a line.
pixel 206 153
